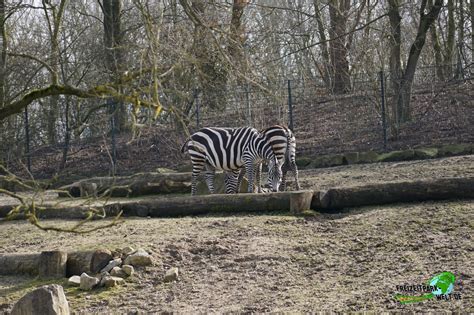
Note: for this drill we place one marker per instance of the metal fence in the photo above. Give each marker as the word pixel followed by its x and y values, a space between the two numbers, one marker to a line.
pixel 359 120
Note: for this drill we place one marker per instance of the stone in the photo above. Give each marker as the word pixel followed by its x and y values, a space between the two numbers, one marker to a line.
pixel 113 263
pixel 139 258
pixel 393 156
pixel 128 269
pixel 327 161
pixel 100 259
pixel 426 153
pixel 117 272
pixel 455 149
pixel 74 281
pixel 351 158
pixel 128 250
pixel 368 157
pixel 88 282
pixel 171 275
pixel 303 161
pixel 111 281
pixel 46 300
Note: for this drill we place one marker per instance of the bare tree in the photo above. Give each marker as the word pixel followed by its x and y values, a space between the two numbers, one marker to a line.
pixel 402 80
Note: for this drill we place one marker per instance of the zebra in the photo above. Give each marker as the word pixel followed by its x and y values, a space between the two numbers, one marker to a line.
pixel 283 143
pixel 230 149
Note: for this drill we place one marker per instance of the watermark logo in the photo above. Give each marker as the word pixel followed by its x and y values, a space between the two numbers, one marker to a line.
pixel 440 286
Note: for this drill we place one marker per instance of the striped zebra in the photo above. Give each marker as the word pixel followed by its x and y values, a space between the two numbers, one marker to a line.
pixel 283 143
pixel 230 149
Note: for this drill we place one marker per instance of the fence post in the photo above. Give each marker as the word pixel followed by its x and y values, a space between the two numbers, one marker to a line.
pixel 196 100
pixel 112 105
pixel 290 107
pixel 249 110
pixel 27 144
pixel 384 121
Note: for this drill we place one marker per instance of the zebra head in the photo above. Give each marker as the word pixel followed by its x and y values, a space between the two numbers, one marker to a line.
pixel 274 173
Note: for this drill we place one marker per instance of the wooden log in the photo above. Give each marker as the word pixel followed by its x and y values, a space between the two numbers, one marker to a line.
pixel 385 193
pixel 179 205
pixel 19 264
pixel 52 264
pixel 300 201
pixel 136 185
pixel 87 261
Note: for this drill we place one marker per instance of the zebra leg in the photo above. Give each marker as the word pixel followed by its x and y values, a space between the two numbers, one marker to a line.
pixel 258 176
pixel 294 168
pixel 283 177
pixel 231 181
pixel 249 168
pixel 239 180
pixel 198 167
pixel 210 174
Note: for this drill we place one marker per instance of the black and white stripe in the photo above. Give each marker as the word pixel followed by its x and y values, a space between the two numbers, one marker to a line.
pixel 283 143
pixel 230 149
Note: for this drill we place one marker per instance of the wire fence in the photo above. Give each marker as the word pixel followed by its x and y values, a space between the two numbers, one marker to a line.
pixel 323 122
pixel 359 120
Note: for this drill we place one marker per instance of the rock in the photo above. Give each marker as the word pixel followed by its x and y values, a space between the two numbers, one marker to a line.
pixel 88 282
pixel 111 281
pixel 327 161
pixel 46 300
pixel 117 272
pixel 426 153
pixel 393 156
pixel 74 281
pixel 351 158
pixel 171 275
pixel 368 157
pixel 303 161
pixel 113 263
pixel 455 149
pixel 128 250
pixel 100 259
pixel 139 258
pixel 128 269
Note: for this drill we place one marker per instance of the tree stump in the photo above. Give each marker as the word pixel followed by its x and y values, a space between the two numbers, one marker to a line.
pixel 52 264
pixel 90 262
pixel 300 201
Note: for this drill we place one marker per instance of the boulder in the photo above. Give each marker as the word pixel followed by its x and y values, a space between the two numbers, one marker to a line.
pixel 118 272
pixel 303 161
pixel 111 281
pixel 368 157
pixel 426 153
pixel 128 269
pixel 327 161
pixel 113 263
pixel 139 258
pixel 127 250
pixel 88 282
pixel 351 158
pixel 171 275
pixel 394 156
pixel 46 300
pixel 74 281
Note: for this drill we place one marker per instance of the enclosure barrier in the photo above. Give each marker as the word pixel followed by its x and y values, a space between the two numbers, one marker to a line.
pixel 329 200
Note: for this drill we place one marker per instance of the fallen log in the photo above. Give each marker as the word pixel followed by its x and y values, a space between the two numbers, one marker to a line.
pixel 130 186
pixel 55 264
pixel 179 206
pixel 385 193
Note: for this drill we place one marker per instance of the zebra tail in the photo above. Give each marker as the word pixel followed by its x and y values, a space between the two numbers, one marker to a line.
pixel 183 148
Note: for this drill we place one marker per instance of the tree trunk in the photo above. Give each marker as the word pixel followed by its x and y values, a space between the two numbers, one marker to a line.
pixel 403 93
pixel 450 41
pixel 437 50
pixel 114 59
pixel 395 60
pixel 237 33
pixel 3 53
pixel 325 69
pixel 338 12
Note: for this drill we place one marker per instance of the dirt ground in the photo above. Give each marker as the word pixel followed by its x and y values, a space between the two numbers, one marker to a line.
pixel 350 261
